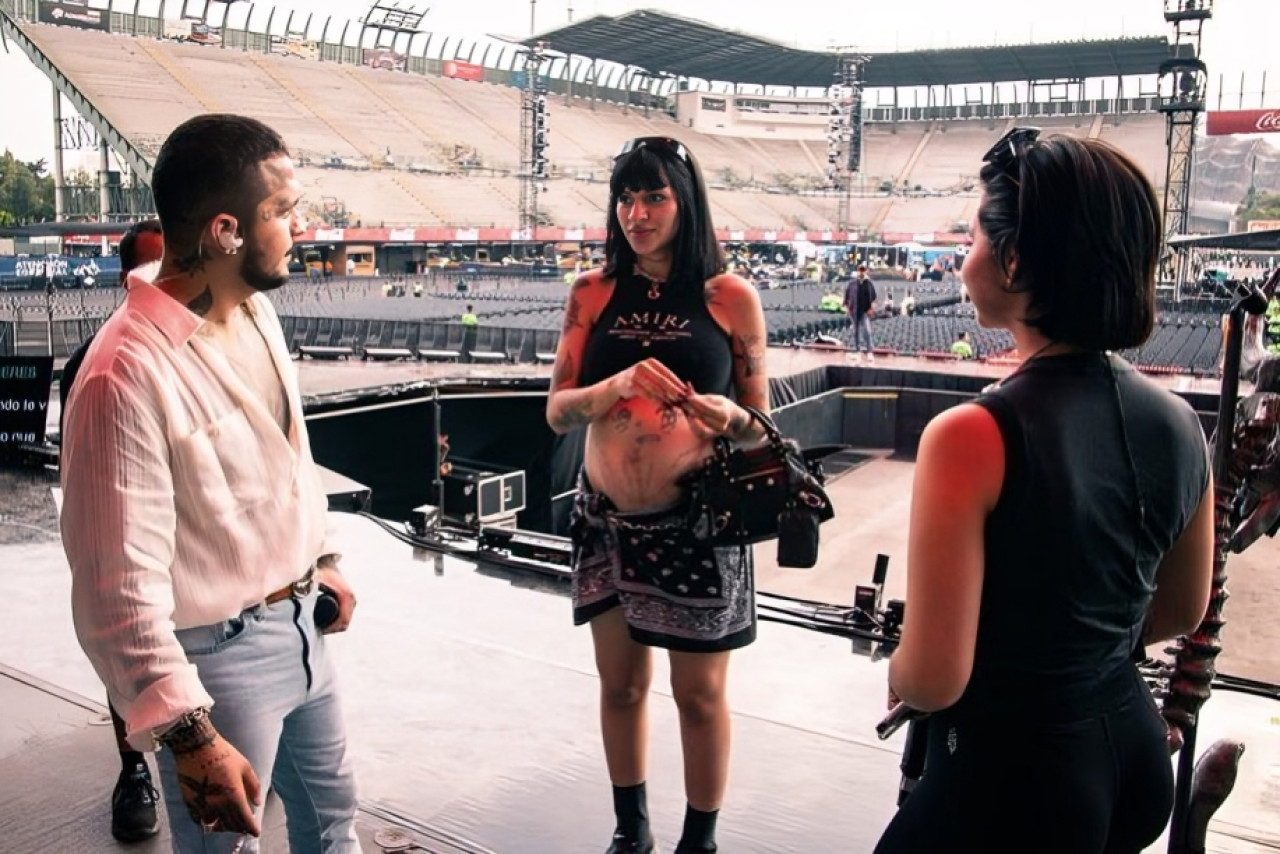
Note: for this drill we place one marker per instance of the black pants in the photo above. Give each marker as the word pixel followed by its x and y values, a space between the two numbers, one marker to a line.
pixel 1098 783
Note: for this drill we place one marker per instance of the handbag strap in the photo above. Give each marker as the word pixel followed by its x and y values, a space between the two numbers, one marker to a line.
pixel 771 432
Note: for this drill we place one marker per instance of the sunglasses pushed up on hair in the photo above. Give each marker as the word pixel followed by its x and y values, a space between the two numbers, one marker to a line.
pixel 654 142
pixel 1008 148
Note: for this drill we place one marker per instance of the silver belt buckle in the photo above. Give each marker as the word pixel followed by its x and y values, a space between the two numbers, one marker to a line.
pixel 302 587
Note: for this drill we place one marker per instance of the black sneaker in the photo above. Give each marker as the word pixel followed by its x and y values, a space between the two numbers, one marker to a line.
pixel 133 805
pixel 623 844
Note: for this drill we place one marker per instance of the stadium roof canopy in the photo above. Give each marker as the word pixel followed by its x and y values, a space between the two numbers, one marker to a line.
pixel 665 44
pixel 1249 241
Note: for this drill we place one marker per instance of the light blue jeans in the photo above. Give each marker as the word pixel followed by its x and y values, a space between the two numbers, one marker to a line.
pixel 276 702
pixel 861 330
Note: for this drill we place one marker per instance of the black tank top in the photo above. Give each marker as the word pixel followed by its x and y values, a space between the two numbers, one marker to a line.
pixel 1070 559
pixel 669 322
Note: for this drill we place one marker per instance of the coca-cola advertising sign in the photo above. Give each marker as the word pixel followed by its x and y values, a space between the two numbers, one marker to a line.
pixel 459 70
pixel 1243 121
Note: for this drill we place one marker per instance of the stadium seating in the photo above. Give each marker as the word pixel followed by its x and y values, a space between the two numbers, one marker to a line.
pixel 376 141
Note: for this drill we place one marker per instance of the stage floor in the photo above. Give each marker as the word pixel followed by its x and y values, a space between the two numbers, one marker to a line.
pixel 471 704
pixel 471 699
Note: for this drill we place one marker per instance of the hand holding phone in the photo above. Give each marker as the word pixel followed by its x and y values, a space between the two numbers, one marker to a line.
pixel 898 715
pixel 327 608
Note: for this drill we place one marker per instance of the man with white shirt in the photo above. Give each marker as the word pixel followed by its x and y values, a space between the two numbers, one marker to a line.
pixel 194 520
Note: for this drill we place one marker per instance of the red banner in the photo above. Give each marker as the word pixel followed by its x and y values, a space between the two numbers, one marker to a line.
pixel 463 70
pixel 1243 121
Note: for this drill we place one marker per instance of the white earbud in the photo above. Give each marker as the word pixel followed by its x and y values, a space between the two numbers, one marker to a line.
pixel 230 243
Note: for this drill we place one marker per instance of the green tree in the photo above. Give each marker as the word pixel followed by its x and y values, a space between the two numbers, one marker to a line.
pixel 1260 206
pixel 26 191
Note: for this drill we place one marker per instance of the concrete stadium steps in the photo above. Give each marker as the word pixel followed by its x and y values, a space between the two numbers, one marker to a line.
pixel 416 124
pixel 886 149
pixel 406 183
pixel 926 214
pixel 474 201
pixel 953 155
pixel 575 204
pixel 333 105
pixel 599 130
pixel 485 116
pixel 408 132
pixel 373 198
pixel 1142 138
pixel 121 79
pixel 194 87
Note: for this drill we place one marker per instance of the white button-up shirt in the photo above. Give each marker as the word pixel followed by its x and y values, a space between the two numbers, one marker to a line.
pixel 184 502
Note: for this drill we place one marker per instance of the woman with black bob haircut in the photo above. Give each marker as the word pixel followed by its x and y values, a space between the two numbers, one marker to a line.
pixel 1059 523
pixel 657 350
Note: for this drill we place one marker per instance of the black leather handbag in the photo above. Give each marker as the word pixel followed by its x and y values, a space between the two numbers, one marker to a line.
pixel 750 495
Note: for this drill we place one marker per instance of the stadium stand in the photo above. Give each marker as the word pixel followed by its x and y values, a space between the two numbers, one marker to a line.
pixel 373 138
pixel 392 149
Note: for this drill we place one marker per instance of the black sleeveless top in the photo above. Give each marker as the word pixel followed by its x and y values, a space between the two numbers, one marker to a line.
pixel 669 322
pixel 1103 471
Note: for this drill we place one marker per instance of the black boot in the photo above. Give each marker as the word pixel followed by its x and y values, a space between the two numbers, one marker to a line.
pixel 631 836
pixel 622 844
pixel 699 836
pixel 133 805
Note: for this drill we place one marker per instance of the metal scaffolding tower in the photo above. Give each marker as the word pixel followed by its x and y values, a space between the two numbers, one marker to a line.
pixel 534 138
pixel 844 133
pixel 1182 98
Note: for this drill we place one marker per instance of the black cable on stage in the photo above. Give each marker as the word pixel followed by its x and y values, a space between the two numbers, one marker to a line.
pixel 824 617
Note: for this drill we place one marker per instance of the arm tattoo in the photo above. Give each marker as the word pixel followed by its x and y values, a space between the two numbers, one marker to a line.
pixel 566 372
pixel 571 315
pixel 750 353
pixel 202 303
pixel 576 415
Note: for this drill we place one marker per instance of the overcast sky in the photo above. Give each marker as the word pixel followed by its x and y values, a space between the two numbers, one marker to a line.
pixel 1241 37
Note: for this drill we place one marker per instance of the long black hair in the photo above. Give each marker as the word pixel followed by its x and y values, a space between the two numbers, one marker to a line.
pixel 653 163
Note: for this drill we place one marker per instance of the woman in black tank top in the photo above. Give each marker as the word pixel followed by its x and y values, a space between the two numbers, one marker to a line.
pixel 655 349
pixel 1058 523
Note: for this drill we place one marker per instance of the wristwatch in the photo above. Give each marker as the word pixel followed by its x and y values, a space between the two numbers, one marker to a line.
pixel 190 732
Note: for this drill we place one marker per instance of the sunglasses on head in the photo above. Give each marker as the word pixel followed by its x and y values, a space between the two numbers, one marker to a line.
pixel 653 142
pixel 1010 147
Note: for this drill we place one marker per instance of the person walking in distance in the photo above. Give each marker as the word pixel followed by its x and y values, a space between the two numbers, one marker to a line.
pixel 194 520
pixel 651 347
pixel 859 302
